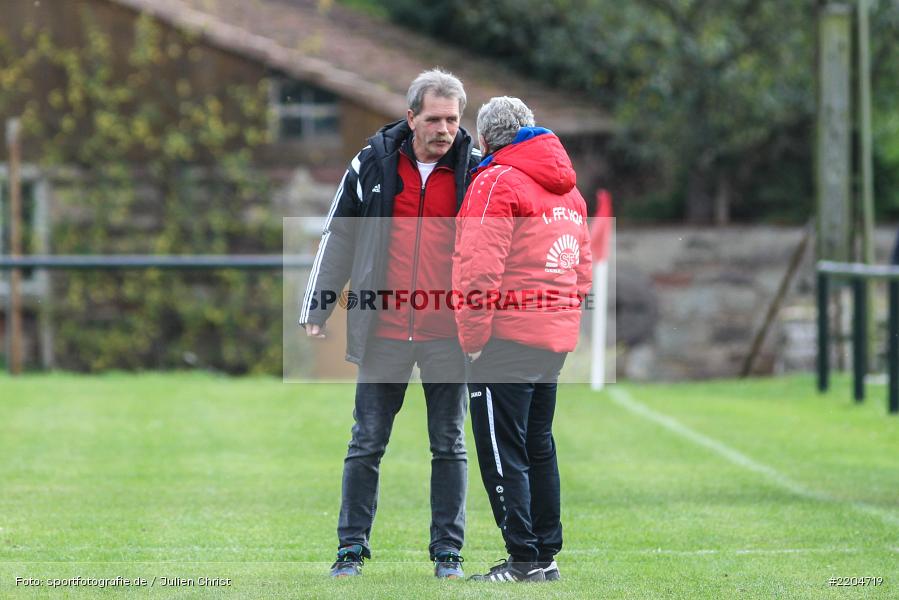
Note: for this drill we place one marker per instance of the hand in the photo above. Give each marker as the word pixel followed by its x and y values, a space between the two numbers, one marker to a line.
pixel 473 356
pixel 315 331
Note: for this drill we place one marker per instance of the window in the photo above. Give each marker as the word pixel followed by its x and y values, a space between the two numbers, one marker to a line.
pixel 301 111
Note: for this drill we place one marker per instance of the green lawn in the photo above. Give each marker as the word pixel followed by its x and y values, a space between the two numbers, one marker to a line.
pixel 713 490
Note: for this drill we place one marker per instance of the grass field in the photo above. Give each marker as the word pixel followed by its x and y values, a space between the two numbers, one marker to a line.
pixel 715 490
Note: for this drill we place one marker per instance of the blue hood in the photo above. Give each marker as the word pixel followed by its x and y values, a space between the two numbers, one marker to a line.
pixel 524 134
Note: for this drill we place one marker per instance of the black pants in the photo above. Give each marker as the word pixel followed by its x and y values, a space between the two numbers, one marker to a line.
pixel 383 377
pixel 512 392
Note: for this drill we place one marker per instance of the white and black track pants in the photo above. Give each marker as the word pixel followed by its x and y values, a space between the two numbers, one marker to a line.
pixel 512 398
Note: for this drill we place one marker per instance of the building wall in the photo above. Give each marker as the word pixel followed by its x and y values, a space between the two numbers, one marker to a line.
pixel 205 69
pixel 690 301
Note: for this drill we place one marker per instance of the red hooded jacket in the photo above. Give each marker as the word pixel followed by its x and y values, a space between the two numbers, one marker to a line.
pixel 522 259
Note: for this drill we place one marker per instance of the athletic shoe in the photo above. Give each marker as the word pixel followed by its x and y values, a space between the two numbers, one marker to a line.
pixel 513 571
pixel 550 570
pixel 349 562
pixel 448 565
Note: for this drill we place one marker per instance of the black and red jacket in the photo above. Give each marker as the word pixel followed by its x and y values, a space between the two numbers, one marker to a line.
pixel 521 235
pixel 422 238
pixel 405 248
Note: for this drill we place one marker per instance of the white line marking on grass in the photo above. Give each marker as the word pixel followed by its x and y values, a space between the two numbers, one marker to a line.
pixel 697 552
pixel 741 551
pixel 624 399
pixel 418 553
pixel 704 551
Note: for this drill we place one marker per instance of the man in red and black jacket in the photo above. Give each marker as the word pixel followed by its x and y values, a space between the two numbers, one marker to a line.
pixel 390 233
pixel 522 264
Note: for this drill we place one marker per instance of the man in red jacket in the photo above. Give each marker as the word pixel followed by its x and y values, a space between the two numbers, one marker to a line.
pixel 522 265
pixel 390 229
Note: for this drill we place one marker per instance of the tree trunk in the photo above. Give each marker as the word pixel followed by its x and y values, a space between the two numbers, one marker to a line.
pixel 699 200
pixel 722 200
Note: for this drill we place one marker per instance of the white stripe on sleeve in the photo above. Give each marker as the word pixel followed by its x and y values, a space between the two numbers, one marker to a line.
pixel 490 193
pixel 316 264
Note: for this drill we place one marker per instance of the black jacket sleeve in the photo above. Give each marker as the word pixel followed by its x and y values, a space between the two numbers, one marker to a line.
pixel 334 260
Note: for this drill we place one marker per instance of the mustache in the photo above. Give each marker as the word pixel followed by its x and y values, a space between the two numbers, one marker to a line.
pixel 442 138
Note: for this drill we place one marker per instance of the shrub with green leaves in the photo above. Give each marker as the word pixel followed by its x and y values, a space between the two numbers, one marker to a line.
pixel 156 167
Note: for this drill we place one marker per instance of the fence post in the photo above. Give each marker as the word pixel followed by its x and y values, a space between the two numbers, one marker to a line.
pixel 833 155
pixel 893 347
pixel 859 336
pixel 823 342
pixel 15 246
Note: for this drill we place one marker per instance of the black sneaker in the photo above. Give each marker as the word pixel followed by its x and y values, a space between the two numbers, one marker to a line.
pixel 349 562
pixel 513 571
pixel 550 570
pixel 448 565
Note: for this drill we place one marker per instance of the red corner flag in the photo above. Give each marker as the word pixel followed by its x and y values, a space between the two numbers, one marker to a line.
pixel 600 241
pixel 601 226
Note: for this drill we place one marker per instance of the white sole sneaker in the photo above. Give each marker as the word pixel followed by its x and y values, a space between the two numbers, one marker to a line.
pixel 551 573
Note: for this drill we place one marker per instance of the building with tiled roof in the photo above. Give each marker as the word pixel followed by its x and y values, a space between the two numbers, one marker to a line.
pixel 331 77
pixel 361 58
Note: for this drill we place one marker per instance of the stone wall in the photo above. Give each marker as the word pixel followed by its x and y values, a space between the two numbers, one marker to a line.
pixel 690 300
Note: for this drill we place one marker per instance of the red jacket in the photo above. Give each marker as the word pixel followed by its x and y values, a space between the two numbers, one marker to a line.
pixel 522 260
pixel 421 242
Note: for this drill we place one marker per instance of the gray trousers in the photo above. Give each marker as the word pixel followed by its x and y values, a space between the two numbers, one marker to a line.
pixel 380 390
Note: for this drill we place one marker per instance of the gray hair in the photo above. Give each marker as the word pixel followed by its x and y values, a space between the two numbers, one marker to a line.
pixel 440 83
pixel 500 119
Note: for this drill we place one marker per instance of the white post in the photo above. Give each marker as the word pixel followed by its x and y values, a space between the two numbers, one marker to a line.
pixel 598 333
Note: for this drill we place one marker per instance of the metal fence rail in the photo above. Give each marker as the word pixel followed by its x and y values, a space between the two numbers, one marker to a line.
pixel 858 275
pixel 151 261
pixel 83 262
